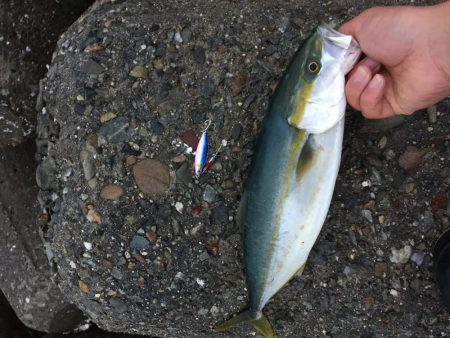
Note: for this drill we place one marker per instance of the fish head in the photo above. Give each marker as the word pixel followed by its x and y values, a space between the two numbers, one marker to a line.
pixel 319 102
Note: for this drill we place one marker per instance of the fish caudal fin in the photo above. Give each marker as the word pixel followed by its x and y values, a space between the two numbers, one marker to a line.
pixel 261 323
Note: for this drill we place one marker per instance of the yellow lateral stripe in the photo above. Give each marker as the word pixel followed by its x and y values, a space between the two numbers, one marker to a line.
pixel 299 112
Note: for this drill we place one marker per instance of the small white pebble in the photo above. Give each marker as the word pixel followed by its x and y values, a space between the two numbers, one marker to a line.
pixel 200 282
pixel 72 265
pixel 87 245
pixel 179 206
pixel 394 293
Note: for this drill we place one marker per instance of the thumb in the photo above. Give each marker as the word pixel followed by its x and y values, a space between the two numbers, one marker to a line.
pixel 350 27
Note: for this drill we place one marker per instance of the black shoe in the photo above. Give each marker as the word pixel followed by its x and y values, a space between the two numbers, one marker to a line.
pixel 441 255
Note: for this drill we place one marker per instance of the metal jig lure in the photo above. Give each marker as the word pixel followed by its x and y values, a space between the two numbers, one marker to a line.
pixel 201 154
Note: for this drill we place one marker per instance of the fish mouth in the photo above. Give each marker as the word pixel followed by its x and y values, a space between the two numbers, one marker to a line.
pixel 340 46
pixel 337 38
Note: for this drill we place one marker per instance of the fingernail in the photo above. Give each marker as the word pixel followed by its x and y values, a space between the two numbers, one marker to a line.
pixel 376 82
pixel 361 75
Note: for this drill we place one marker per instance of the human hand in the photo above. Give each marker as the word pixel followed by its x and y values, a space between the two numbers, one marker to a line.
pixel 407 59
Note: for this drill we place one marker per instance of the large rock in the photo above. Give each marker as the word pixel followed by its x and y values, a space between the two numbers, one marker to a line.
pixel 127 81
pixel 26 276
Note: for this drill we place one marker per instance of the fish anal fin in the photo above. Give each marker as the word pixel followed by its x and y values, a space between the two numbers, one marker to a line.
pixel 300 270
pixel 261 323
pixel 240 215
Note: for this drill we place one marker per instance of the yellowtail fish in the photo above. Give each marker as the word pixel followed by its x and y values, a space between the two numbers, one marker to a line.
pixel 294 169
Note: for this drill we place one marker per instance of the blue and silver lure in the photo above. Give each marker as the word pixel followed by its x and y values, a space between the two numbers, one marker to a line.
pixel 201 153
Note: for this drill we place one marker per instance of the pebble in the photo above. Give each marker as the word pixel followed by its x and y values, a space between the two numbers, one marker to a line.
pixel 432 114
pixel 186 34
pixel 389 154
pixel 409 187
pixel 400 256
pixel 214 310
pixel 367 214
pixel 190 138
pixel 212 246
pixel 204 256
pixel 139 72
pixel 111 192
pixel 179 207
pixel 116 274
pixel 381 269
pixel 132 159
pixel 79 108
pixel 45 177
pixel 195 230
pixel 202 312
pixel 115 131
pixel 179 158
pixel 439 202
pixel 95 47
pixel 209 194
pixel 184 173
pixel 236 131
pixel 382 143
pixel 208 88
pixel 83 286
pixel 139 243
pixel 393 293
pixel 157 128
pixel 151 176
pixel 412 157
pixel 107 117
pixel 91 67
pixel 374 160
pixel 160 50
pixel 117 305
pixel 217 166
pixel 238 83
pixel 93 216
pixel 92 183
pixel 220 214
pixel 177 37
pixel 87 162
pixel 228 184
pixel 418 258
pixel 199 55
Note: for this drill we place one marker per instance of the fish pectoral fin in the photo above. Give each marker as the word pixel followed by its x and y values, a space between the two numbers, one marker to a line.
pixel 261 323
pixel 306 159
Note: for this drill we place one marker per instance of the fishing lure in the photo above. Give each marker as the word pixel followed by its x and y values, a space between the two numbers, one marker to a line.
pixel 201 154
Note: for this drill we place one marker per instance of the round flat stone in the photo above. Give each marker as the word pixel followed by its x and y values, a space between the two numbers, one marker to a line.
pixel 151 176
pixel 111 192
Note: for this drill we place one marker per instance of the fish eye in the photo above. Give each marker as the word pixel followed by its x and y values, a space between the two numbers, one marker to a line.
pixel 314 67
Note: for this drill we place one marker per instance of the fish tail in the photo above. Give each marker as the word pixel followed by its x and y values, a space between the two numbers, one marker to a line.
pixel 259 321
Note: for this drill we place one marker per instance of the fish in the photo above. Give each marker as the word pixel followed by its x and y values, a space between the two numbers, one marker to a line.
pixel 293 170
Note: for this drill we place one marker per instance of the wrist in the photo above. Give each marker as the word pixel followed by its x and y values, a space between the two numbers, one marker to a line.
pixel 439 37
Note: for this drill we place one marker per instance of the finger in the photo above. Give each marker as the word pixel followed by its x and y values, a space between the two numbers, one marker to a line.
pixel 374 66
pixel 350 27
pixel 356 84
pixel 373 103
